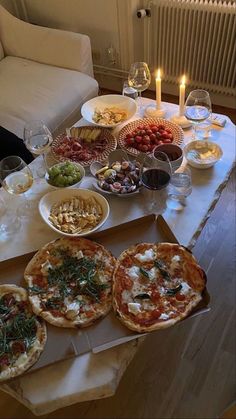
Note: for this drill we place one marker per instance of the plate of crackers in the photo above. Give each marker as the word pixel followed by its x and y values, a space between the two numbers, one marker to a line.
pixel 74 212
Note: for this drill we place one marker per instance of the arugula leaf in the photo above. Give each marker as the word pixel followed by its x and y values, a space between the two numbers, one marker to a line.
pixel 173 291
pixel 162 268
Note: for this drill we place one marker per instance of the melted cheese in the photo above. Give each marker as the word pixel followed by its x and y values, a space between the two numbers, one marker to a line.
pixel 21 360
pixel 148 255
pixel 133 272
pixel 176 258
pixel 185 288
pixel 134 308
pixel 72 310
pixel 163 316
pixel 126 296
pixel 45 267
pixel 79 254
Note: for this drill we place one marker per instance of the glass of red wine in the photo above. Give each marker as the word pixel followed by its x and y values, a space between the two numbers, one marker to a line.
pixel 155 176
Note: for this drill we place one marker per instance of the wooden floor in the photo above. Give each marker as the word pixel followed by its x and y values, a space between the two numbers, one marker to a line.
pixel 187 371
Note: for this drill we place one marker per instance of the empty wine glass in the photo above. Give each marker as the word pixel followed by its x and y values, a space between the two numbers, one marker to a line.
pixel 155 175
pixel 37 138
pixel 139 78
pixel 198 109
pixel 16 178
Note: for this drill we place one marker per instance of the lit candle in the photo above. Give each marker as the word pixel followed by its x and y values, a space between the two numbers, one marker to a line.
pixel 158 89
pixel 182 96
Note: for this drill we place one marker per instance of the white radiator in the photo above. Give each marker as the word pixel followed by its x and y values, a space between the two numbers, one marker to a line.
pixel 193 37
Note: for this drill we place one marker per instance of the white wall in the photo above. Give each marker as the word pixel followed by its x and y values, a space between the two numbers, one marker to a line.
pixel 106 22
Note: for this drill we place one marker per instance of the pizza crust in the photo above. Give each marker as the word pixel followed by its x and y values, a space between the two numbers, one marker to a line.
pixel 41 337
pixel 168 253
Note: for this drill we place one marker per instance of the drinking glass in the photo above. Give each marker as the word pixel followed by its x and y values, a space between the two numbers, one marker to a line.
pixel 37 139
pixel 129 91
pixel 198 109
pixel 155 176
pixel 16 178
pixel 179 188
pixel 139 78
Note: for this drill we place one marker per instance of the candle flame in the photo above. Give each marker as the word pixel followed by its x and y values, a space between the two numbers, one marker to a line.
pixel 158 73
pixel 183 81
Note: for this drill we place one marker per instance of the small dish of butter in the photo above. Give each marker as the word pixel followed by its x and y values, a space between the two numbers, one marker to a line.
pixel 202 154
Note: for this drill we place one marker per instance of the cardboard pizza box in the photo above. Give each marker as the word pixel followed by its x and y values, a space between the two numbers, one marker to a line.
pixel 108 332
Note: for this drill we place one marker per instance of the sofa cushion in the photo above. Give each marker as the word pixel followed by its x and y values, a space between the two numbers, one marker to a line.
pixel 30 91
pixel 1 52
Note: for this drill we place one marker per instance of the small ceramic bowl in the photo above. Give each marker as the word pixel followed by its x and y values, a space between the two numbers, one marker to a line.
pixel 55 197
pixel 73 185
pixel 202 154
pixel 174 152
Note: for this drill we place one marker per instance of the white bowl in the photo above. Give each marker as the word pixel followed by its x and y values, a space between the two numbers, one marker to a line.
pixel 74 185
pixel 107 101
pixel 202 154
pixel 54 197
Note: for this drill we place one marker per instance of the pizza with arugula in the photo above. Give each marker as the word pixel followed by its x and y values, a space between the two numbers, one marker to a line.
pixel 22 334
pixel 156 285
pixel 70 282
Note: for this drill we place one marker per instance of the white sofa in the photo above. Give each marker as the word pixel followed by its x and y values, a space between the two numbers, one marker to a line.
pixel 44 74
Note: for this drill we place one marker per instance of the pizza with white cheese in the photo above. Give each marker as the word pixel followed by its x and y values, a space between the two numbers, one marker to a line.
pixel 22 334
pixel 156 285
pixel 70 282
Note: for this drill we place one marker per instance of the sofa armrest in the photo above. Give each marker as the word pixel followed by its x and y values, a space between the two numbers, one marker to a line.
pixel 45 45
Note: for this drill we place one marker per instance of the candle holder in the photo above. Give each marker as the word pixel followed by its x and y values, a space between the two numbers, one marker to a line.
pixel 153 112
pixel 181 120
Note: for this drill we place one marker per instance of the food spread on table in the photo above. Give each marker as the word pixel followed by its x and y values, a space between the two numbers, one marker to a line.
pixel 156 285
pixel 109 115
pixel 70 282
pixel 64 174
pixel 120 177
pixel 22 334
pixel 76 215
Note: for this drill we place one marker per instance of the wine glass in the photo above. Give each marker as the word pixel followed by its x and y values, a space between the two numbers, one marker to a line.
pixel 139 78
pixel 16 178
pixel 155 176
pixel 37 138
pixel 198 109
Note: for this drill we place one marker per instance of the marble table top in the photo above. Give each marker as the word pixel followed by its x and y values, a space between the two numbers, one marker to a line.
pixel 91 376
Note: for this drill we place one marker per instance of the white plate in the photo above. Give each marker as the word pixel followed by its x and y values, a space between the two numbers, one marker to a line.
pixel 51 198
pixel 107 101
pixel 202 154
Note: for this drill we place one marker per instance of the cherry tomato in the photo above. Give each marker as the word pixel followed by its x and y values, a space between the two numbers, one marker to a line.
pixel 138 138
pixel 144 147
pixel 167 141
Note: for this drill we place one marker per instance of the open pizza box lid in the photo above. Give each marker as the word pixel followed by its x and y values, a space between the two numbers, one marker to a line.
pixel 63 343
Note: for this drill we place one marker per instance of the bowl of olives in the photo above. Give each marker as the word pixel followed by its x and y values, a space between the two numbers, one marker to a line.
pixel 65 175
